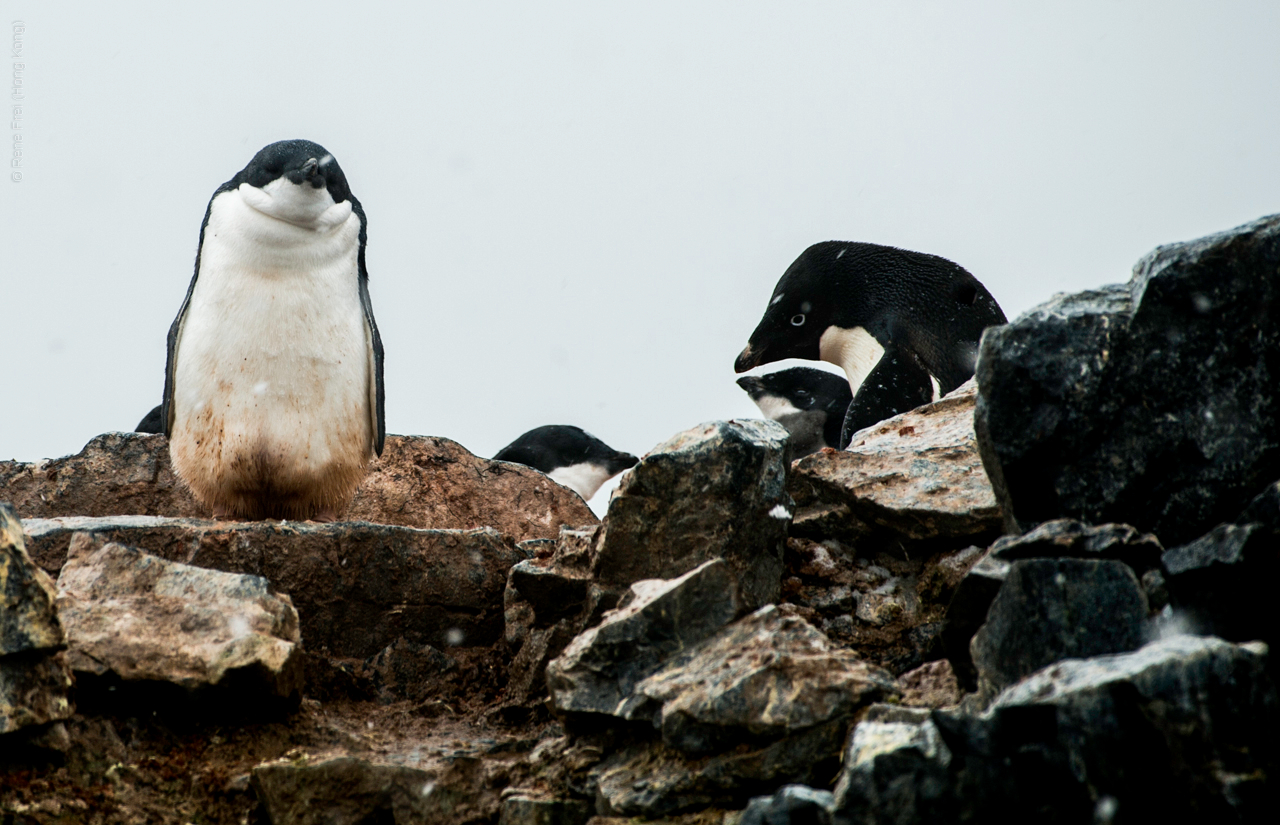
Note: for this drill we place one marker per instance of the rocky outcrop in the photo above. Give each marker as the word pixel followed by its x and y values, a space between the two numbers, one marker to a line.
pixel 714 491
pixel 35 681
pixel 357 587
pixel 701 669
pixel 420 481
pixel 142 618
pixel 914 478
pixel 1193 342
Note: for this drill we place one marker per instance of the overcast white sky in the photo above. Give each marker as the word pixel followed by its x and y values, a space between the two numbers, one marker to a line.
pixel 577 211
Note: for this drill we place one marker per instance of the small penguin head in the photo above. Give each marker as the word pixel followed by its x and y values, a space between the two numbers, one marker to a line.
pixel 800 309
pixel 297 181
pixel 798 389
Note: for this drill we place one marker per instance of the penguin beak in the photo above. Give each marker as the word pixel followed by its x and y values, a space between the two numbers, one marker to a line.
pixel 748 359
pixel 754 386
pixel 309 168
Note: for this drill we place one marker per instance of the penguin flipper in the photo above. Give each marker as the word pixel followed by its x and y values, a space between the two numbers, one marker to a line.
pixel 377 390
pixel 899 382
pixel 175 329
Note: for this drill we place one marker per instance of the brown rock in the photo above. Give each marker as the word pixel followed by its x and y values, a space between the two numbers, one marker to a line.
pixel 357 587
pixel 717 490
pixel 145 618
pixel 932 685
pixel 28 618
pixel 915 477
pixel 420 481
pixel 34 678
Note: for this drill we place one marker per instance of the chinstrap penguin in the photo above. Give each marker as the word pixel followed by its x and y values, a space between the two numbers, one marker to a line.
pixel 810 403
pixel 904 326
pixel 273 399
pixel 153 422
pixel 568 455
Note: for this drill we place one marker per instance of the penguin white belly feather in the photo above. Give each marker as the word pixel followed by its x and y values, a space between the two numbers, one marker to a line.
pixel 273 387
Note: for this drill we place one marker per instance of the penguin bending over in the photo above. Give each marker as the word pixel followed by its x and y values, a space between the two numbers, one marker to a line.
pixel 273 397
pixel 904 326
pixel 568 455
pixel 810 403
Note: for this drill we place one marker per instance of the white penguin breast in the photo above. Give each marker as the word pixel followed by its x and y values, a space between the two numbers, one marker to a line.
pixel 584 479
pixel 776 406
pixel 274 355
pixel 855 350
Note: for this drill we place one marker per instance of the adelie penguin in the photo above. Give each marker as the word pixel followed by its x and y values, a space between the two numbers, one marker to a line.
pixel 810 403
pixel 904 326
pixel 569 455
pixel 273 398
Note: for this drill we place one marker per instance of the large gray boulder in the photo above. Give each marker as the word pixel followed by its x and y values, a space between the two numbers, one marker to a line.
pixel 896 769
pixel 599 670
pixel 419 481
pixel 1185 724
pixel 35 680
pixel 715 491
pixel 768 676
pixel 357 587
pixel 1061 538
pixel 145 619
pixel 1152 403
pixel 912 478
pixel 1053 609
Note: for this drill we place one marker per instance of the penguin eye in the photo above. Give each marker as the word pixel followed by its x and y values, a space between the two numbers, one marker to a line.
pixel 797 320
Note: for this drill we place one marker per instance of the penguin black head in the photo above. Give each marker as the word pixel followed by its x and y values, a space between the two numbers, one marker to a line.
pixel 297 181
pixel 847 302
pixel 810 403
pixel 300 162
pixel 569 455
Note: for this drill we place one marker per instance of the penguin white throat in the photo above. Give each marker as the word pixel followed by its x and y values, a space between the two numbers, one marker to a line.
pixel 584 478
pixel 302 205
pixel 855 351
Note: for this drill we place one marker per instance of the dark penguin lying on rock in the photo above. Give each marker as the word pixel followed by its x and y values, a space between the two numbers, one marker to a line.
pixel 569 455
pixel 153 422
pixel 904 326
pixel 810 403
pixel 273 398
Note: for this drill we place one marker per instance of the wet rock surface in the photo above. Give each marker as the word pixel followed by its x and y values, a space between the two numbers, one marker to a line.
pixel 357 587
pixel 715 491
pixel 1053 609
pixel 419 481
pixel 599 670
pixel 142 618
pixel 916 477
pixel 1193 341
pixel 35 681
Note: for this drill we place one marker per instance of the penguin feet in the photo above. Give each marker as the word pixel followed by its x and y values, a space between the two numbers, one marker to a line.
pixel 327 516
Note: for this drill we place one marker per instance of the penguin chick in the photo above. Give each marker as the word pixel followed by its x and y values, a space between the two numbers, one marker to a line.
pixel 568 455
pixel 810 403
pixel 273 398
pixel 152 422
pixel 904 326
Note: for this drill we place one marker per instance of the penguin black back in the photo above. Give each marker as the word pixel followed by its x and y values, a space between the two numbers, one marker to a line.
pixel 925 303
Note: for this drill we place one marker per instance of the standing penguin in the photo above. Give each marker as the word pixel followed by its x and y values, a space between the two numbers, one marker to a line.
pixel 568 455
pixel 904 326
pixel 273 397
pixel 810 403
